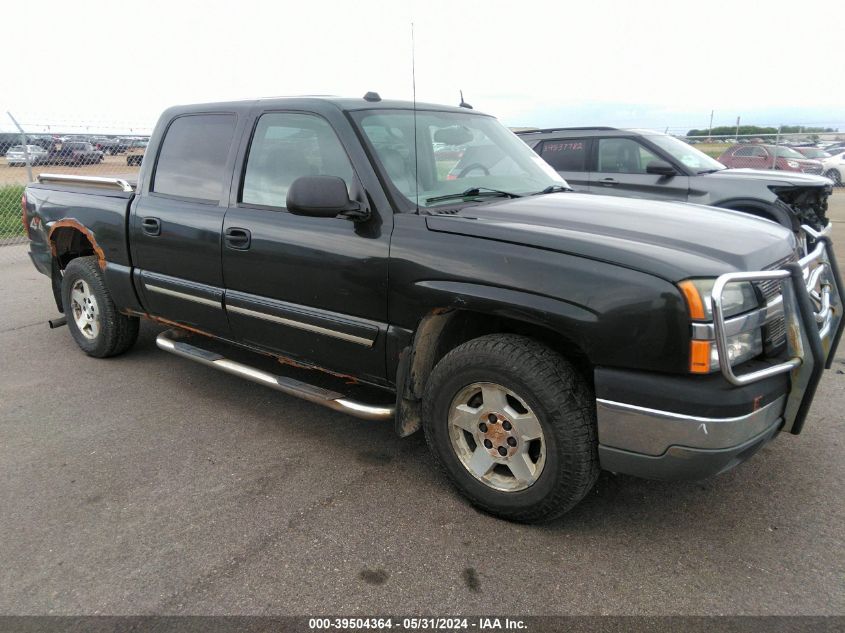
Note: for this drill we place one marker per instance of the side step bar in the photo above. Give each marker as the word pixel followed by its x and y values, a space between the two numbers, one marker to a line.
pixel 169 342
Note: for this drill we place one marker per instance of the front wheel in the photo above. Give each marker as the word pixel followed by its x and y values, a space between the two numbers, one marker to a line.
pixel 835 176
pixel 512 423
pixel 93 319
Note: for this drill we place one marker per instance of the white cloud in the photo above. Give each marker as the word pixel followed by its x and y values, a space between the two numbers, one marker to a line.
pixel 517 60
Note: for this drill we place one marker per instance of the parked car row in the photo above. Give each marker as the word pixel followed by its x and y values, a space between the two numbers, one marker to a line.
pixel 71 153
pixel 59 147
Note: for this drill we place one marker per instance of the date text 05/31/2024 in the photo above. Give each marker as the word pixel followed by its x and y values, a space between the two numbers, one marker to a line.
pixel 413 624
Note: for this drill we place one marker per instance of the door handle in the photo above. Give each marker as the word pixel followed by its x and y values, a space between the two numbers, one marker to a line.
pixel 238 239
pixel 608 181
pixel 151 226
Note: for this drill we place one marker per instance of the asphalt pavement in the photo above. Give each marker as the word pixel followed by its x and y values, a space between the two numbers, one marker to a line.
pixel 147 484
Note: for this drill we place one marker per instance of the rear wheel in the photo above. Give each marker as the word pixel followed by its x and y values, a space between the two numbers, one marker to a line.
pixel 513 425
pixel 92 318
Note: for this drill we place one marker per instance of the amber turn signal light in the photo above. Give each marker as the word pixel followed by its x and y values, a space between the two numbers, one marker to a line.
pixel 693 297
pixel 699 357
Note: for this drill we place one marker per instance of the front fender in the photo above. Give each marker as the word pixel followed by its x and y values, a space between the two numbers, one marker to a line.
pixel 645 328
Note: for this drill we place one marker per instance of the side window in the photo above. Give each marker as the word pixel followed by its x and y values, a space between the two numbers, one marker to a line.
pixel 193 156
pixel 287 146
pixel 565 154
pixel 623 156
pixel 743 151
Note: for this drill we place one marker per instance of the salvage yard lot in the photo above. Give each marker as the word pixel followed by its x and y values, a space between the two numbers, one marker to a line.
pixel 149 484
pixel 111 166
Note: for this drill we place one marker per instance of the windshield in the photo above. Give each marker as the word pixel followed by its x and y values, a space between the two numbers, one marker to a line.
pixel 812 152
pixel 785 152
pixel 695 159
pixel 457 152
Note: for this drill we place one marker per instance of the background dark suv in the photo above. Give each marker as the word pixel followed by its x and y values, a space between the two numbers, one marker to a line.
pixel 647 164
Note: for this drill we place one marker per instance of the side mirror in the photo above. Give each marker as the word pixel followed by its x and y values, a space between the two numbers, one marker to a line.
pixel 322 197
pixel 661 168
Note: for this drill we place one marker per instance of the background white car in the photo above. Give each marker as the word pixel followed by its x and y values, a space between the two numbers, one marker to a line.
pixel 834 167
pixel 16 156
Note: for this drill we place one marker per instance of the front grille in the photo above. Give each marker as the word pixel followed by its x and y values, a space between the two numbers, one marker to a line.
pixel 812 170
pixel 774 334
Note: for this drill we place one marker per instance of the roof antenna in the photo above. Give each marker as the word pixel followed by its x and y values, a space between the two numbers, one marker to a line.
pixel 416 151
pixel 463 103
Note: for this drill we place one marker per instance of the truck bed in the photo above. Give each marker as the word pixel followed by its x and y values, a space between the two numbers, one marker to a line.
pixel 97 206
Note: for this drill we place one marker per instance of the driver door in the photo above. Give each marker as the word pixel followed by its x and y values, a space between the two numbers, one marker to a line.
pixel 309 288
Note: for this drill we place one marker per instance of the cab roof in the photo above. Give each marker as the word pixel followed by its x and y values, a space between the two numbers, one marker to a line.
pixel 318 102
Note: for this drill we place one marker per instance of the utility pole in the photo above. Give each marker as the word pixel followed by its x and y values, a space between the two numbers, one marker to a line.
pixel 25 147
pixel 737 130
pixel 710 129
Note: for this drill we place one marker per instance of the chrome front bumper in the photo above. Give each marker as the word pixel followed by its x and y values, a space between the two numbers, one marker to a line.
pixel 661 444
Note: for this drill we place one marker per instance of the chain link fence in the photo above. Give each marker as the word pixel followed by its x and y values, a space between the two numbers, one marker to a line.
pixel 816 153
pixel 91 149
pixel 117 149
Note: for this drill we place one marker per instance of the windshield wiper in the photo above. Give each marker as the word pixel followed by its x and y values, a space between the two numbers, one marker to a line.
pixel 474 192
pixel 552 189
pixel 708 171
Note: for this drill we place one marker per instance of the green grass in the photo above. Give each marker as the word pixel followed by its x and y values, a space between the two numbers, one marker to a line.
pixel 10 211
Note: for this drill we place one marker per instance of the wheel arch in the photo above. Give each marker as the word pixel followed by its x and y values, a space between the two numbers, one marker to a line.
pixel 443 329
pixel 69 239
pixel 760 209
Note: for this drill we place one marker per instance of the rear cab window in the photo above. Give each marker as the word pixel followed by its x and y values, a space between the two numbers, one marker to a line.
pixel 192 159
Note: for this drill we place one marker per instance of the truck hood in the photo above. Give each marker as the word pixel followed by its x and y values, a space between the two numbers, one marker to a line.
pixel 772 177
pixel 671 240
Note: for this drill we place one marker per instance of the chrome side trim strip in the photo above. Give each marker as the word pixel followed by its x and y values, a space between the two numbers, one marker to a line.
pixel 170 341
pixel 183 295
pixel 118 183
pixel 653 431
pixel 360 340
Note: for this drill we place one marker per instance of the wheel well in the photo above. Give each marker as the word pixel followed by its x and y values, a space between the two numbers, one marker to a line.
pixel 441 331
pixel 68 243
pixel 466 325
pixel 751 210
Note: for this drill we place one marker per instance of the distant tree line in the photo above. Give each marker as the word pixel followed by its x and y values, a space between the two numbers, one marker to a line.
pixel 748 130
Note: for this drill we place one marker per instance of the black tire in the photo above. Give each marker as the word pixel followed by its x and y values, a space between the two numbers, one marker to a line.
pixel 555 392
pixel 835 177
pixel 117 332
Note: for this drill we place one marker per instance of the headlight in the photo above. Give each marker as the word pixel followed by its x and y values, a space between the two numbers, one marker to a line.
pixel 792 164
pixel 704 355
pixel 737 298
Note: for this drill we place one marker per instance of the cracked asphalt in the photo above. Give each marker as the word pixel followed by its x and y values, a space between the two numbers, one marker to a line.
pixel 147 484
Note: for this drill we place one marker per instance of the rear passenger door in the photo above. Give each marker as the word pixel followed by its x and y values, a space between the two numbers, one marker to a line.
pixel 620 170
pixel 568 156
pixel 177 222
pixel 310 288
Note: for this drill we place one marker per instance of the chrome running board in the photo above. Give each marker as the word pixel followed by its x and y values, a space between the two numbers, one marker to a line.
pixel 170 341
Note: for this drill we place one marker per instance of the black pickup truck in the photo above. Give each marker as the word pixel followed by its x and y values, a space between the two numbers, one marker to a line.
pixel 536 335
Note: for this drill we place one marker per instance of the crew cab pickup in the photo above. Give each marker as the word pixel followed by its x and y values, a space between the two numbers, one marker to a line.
pixel 536 335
